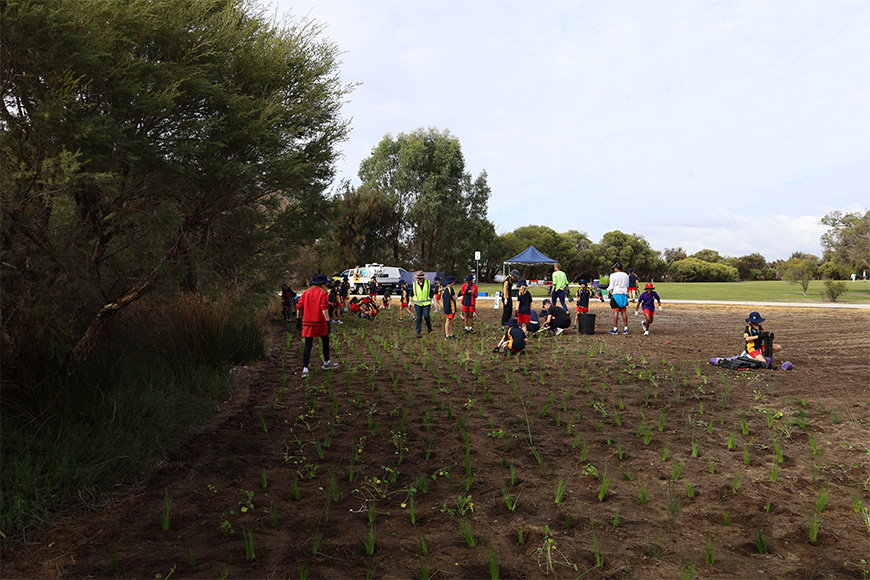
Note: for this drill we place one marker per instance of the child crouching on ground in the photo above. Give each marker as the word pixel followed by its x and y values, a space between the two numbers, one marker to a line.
pixel 514 339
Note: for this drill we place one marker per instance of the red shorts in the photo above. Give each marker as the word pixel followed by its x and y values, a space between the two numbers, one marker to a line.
pixel 650 313
pixel 633 288
pixel 521 318
pixel 754 353
pixel 450 316
pixel 404 304
pixel 372 296
pixel 437 297
pixel 582 309
pixel 467 308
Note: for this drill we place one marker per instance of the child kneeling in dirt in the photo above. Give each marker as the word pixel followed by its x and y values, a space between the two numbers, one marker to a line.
pixel 514 339
pixel 759 344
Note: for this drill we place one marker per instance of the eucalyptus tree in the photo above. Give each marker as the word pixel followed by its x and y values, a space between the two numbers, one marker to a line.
pixel 182 144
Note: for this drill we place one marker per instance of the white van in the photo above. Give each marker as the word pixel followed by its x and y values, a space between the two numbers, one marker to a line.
pixel 386 276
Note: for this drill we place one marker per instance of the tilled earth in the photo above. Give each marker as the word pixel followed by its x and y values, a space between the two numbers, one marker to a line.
pixel 613 456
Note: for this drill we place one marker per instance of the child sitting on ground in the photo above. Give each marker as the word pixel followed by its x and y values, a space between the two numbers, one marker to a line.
pixel 759 344
pixel 514 339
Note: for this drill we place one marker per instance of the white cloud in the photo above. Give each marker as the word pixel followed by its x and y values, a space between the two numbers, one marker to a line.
pixel 626 115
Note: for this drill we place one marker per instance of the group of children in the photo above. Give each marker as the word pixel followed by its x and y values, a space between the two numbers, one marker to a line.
pixel 758 343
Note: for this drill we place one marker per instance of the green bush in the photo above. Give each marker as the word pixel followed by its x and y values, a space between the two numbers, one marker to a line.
pixel 832 271
pixel 833 289
pixel 158 371
pixel 695 270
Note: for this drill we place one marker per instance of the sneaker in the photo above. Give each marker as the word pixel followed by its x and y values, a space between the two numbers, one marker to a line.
pixel 401 319
pixel 559 331
pixel 646 332
pixel 574 327
pixel 614 331
pixel 418 336
pixel 304 372
pixel 329 365
pixel 625 331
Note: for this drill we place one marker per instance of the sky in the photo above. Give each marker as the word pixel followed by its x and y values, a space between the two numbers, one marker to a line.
pixel 729 125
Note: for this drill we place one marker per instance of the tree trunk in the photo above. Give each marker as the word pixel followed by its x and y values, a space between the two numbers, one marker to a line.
pixel 87 342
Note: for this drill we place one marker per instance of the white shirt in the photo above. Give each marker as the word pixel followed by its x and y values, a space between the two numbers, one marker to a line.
pixel 618 283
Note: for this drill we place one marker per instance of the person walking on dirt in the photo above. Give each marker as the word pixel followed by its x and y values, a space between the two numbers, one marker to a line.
pixel 618 290
pixel 422 296
pixel 313 310
pixel 437 287
pixel 759 344
pixel 448 298
pixel 647 300
pixel 560 286
pixel 344 292
pixel 507 309
pixel 287 302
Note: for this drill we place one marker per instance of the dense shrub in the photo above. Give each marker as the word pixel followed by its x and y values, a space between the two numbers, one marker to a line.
pixel 156 372
pixel 695 270
pixel 833 289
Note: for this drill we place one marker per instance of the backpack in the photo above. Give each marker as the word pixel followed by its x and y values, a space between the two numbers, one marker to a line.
pixel 744 363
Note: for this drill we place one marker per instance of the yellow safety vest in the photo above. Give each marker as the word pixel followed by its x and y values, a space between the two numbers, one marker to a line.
pixel 422 293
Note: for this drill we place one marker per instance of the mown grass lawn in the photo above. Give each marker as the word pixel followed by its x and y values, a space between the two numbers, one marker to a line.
pixel 758 291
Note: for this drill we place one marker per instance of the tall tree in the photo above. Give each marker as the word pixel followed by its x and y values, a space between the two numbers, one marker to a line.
pixel 632 250
pixel 847 242
pixel 153 141
pixel 441 210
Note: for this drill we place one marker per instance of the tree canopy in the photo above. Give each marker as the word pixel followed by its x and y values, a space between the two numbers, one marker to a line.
pixel 186 143
pixel 439 216
pixel 847 242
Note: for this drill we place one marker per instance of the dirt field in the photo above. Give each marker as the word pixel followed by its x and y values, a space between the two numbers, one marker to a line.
pixel 613 456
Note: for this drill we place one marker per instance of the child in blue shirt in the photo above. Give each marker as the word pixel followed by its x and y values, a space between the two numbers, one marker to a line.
pixel 647 300
pixel 514 339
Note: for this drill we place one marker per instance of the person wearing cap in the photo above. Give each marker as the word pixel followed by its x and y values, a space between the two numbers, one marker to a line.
pixel 514 339
pixel 632 285
pixel 524 305
pixel 468 296
pixel 618 290
pixel 448 299
pixel 758 342
pixel 647 300
pixel 506 298
pixel 373 288
pixel 583 296
pixel 560 286
pixel 313 310
pixel 421 293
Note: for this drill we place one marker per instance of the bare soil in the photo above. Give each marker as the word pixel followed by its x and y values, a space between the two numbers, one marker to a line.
pixel 406 430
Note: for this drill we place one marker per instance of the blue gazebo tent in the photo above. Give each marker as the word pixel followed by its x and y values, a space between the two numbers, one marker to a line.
pixel 531 256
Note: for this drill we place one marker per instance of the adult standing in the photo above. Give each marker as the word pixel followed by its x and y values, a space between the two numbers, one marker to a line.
pixel 313 310
pixel 422 296
pixel 560 285
pixel 618 290
pixel 506 299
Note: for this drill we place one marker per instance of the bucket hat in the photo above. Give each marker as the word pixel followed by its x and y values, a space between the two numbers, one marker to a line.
pixel 512 322
pixel 522 282
pixel 450 280
pixel 319 280
pixel 755 318
pixel 649 286
pixel 420 274
pixel 515 273
pixel 469 278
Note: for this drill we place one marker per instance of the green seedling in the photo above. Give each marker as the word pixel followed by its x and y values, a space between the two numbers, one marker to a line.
pixel 813 524
pixel 761 543
pixel 560 491
pixel 823 498
pixel 248 535
pixel 467 533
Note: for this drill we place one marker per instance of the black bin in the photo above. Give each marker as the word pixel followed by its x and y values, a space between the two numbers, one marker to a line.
pixel 585 323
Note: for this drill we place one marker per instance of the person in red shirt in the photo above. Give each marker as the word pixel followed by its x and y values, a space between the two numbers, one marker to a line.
pixel 313 310
pixel 468 294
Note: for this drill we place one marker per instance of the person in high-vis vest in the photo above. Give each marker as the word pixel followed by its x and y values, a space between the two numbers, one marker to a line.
pixel 421 292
